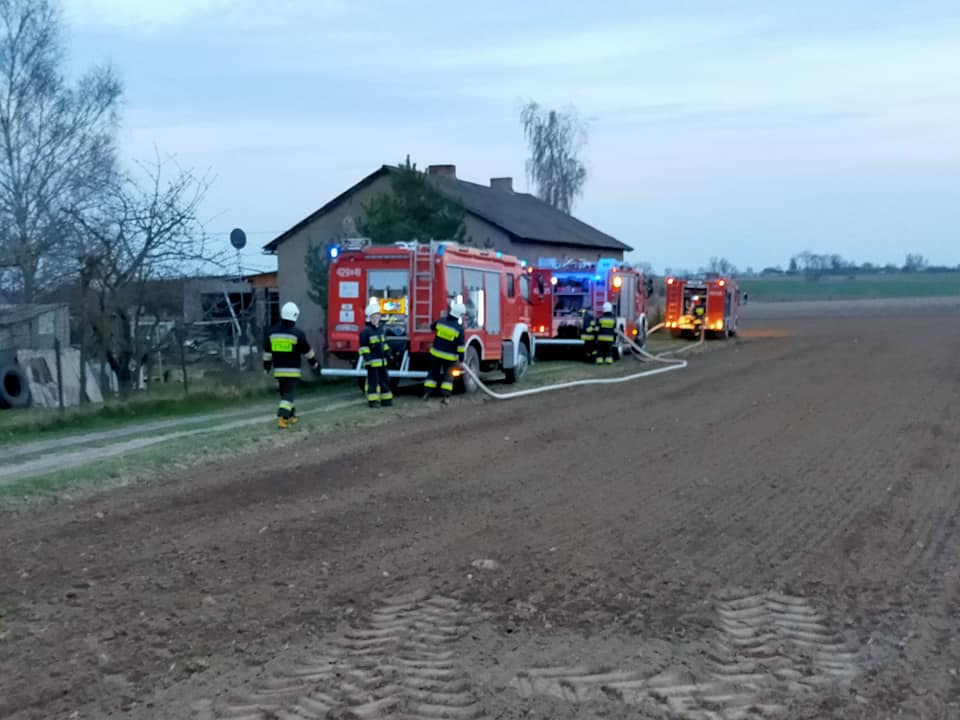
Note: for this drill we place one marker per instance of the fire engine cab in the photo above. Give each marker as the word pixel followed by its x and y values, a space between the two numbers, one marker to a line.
pixel 710 306
pixel 414 283
pixel 564 293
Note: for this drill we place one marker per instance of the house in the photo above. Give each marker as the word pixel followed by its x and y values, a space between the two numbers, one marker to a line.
pixel 496 217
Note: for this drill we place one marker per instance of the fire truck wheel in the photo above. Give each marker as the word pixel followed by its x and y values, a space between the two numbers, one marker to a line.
pixel 472 360
pixel 523 362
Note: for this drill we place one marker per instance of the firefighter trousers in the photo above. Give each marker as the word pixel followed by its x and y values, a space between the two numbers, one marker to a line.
pixel 439 375
pixel 604 352
pixel 286 386
pixel 377 386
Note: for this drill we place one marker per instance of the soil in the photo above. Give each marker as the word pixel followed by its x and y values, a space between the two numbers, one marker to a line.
pixel 771 532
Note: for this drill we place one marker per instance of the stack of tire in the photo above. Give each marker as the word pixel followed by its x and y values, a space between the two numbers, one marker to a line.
pixel 14 385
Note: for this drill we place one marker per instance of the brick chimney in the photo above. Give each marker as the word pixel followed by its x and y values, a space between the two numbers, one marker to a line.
pixel 504 184
pixel 442 170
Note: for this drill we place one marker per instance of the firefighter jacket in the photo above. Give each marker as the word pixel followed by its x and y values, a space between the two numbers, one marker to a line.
pixel 589 331
pixel 450 343
pixel 607 328
pixel 373 346
pixel 284 346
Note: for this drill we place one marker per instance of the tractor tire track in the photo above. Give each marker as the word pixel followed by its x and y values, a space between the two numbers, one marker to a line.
pixel 396 664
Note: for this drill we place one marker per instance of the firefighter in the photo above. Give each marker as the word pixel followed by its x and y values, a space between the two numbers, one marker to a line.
pixel 449 345
pixel 588 334
pixel 283 347
pixel 375 353
pixel 606 326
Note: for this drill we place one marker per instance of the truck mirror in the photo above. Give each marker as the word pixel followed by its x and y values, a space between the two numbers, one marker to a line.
pixel 540 284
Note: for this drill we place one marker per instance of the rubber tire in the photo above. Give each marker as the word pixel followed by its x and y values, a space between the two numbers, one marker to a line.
pixel 472 360
pixel 14 388
pixel 523 363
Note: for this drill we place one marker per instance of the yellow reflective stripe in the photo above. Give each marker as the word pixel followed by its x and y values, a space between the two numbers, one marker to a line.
pixel 443 355
pixel 446 386
pixel 445 332
pixel 386 395
pixel 461 348
pixel 285 405
pixel 364 350
pixel 374 363
pixel 429 383
pixel 608 323
pixel 285 372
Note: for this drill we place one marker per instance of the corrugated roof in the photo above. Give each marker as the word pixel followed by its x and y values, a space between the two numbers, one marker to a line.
pixel 16 314
pixel 521 215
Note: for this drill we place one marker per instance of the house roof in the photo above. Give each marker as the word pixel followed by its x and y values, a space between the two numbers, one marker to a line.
pixel 521 215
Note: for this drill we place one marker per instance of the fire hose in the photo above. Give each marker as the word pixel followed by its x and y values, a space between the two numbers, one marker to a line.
pixel 672 364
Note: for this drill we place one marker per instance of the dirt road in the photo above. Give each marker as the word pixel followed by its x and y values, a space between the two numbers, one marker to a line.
pixel 770 533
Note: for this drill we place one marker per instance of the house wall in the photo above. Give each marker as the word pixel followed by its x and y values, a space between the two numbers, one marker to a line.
pixel 291 271
pixel 39 327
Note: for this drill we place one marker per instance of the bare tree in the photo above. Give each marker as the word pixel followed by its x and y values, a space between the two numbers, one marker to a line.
pixel 148 230
pixel 56 145
pixel 555 139
pixel 721 266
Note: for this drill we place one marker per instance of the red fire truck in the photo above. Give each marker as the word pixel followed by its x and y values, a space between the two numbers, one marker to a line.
pixel 414 283
pixel 711 306
pixel 564 292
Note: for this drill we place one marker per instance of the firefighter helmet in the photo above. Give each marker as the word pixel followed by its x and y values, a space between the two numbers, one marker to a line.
pixel 373 308
pixel 458 309
pixel 290 312
pixel 608 307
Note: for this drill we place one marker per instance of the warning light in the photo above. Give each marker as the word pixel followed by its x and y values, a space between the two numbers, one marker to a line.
pixel 543 328
pixel 523 263
pixel 722 283
pixel 553 281
pixel 617 281
pixel 597 277
pixel 499 254
pixel 333 251
pixel 456 372
pixel 530 269
pixel 669 281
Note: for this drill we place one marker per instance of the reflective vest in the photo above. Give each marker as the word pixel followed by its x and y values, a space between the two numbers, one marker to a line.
pixel 607 331
pixel 449 344
pixel 373 346
pixel 283 347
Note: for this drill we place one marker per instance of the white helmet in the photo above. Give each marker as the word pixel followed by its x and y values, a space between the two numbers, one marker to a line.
pixel 608 307
pixel 290 312
pixel 373 308
pixel 458 309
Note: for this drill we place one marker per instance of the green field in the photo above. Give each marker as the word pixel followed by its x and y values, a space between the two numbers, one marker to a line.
pixel 781 289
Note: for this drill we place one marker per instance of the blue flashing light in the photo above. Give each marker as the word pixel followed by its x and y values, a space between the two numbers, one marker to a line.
pixel 499 254
pixel 597 278
pixel 440 248
pixel 523 263
pixel 333 251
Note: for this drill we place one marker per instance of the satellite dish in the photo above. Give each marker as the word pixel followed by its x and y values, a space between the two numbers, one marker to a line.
pixel 238 238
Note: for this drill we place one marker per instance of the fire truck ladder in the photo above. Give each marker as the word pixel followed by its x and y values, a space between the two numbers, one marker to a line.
pixel 422 277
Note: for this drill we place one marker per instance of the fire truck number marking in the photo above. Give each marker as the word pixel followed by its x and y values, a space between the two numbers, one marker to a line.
pixel 346 272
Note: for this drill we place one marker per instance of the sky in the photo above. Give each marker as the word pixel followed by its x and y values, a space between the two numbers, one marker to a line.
pixel 750 130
